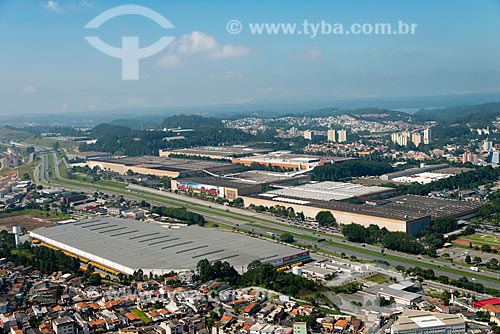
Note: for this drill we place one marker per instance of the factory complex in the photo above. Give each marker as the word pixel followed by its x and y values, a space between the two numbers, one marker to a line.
pixel 253 179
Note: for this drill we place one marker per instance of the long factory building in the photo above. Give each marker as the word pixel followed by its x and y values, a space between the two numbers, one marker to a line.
pixel 123 245
pixel 162 166
pixel 353 203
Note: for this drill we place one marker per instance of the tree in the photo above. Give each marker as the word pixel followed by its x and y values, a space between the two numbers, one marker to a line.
pixel 355 232
pixel 477 260
pixel 310 320
pixel 286 237
pixel 492 264
pixel 403 242
pixel 385 302
pixel 95 279
pixel 215 271
pixel 468 259
pixel 300 216
pixel 325 218
pixel 237 202
pixel 486 248
pixel 469 230
pixel 444 225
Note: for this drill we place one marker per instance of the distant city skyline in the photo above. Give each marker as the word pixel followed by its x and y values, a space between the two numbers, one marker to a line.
pixel 48 67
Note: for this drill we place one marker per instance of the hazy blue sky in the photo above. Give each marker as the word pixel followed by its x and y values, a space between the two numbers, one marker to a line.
pixel 47 66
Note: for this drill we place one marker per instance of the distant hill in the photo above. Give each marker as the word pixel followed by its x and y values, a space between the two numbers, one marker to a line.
pixel 138 123
pixel 478 115
pixel 191 121
pixel 375 114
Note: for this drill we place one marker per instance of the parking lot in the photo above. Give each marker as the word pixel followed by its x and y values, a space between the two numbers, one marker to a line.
pixel 458 255
pixel 311 225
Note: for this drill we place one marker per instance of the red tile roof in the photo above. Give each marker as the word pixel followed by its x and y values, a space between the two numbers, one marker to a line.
pixel 481 303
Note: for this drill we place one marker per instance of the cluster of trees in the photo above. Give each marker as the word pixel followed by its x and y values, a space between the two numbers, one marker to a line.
pixel 29 206
pixel 266 276
pixel 443 225
pixel 191 218
pixel 402 242
pixel 218 270
pixel 386 302
pixel 427 243
pixel 41 258
pixel 486 248
pixel 466 180
pixel 123 140
pixel 491 209
pixel 476 260
pixel 348 288
pixel 279 210
pixel 358 233
pixel 347 169
pixel 462 282
pixel 399 241
pixel 91 276
pixel 493 263
pixel 257 274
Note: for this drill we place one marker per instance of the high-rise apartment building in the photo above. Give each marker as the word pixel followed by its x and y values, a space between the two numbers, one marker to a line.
pixel 331 135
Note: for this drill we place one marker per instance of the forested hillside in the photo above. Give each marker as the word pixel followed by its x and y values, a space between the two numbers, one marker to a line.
pixel 479 115
pixel 124 140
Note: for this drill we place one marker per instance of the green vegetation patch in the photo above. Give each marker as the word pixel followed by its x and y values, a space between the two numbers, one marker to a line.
pixel 377 278
pixel 141 315
pixel 483 239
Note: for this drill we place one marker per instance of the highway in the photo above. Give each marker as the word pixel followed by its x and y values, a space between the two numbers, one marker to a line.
pixel 44 168
pixel 262 223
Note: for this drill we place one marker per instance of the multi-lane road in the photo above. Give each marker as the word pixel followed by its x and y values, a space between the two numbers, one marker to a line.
pixel 263 223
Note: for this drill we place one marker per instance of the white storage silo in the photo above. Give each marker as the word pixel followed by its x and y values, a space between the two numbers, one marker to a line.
pixel 297 270
pixel 17 230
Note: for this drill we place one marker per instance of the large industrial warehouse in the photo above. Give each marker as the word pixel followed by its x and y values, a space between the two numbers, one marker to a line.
pixel 286 159
pixel 215 152
pixel 351 203
pixel 162 166
pixel 127 245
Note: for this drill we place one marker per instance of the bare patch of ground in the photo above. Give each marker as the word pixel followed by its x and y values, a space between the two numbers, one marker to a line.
pixel 29 222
